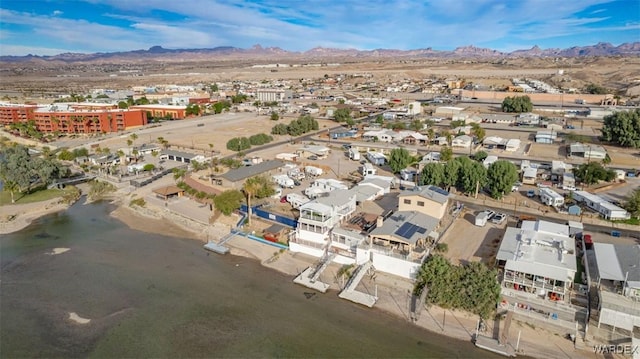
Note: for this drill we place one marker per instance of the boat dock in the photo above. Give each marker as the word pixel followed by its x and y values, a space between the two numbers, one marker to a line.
pixel 499 346
pixel 350 293
pixel 219 247
pixel 309 277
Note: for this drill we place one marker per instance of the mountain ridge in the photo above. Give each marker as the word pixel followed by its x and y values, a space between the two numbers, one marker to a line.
pixel 257 52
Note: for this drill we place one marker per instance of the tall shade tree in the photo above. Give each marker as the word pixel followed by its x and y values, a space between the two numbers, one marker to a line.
pixel 451 171
pixel 228 201
pixel 501 176
pixel 622 128
pixel 471 175
pixel 432 173
pixel 592 172
pixel 399 159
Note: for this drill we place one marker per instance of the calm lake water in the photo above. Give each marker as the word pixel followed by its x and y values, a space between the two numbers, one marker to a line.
pixel 155 296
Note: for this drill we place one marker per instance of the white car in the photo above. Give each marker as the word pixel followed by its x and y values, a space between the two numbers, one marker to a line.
pixel 568 188
pixel 489 213
pixel 499 218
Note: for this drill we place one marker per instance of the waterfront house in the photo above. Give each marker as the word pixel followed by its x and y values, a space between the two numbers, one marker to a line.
pixel 618 277
pixel 538 259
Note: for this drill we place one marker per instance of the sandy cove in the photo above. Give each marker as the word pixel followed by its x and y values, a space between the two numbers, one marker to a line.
pixel 14 217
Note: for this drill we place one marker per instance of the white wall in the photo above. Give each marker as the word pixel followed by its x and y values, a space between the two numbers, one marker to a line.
pixel 618 319
pixel 314 252
pixel 313 236
pixel 395 266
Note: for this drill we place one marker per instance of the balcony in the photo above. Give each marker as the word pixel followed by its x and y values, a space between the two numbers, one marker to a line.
pixel 536 284
pixel 307 243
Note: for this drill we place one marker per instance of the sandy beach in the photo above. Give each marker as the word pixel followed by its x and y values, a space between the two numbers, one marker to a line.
pixel 14 217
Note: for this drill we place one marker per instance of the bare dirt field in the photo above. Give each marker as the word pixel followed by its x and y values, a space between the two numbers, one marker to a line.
pixel 470 243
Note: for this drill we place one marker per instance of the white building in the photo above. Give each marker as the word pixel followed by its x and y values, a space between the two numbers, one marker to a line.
pixel 273 95
pixel 317 220
pixel 376 158
pixel 462 141
pixel 551 197
pixel 538 259
pixel 324 185
pixel 605 208
pixel 618 273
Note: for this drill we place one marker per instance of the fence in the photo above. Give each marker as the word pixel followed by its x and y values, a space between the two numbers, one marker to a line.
pixel 256 210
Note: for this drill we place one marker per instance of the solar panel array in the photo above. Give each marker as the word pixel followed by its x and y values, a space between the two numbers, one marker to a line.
pixel 407 230
pixel 439 190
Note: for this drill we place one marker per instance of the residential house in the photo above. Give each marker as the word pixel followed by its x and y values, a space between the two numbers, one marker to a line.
pixel 618 275
pixel 376 158
pixel 605 208
pixel 588 151
pixel 342 133
pixel 314 150
pixel 432 201
pixel 178 156
pixel 529 175
pixel 462 141
pixel 546 136
pixel 538 259
pixel 324 185
pixel 528 119
pixel 235 178
pixel 317 220
pixel 399 244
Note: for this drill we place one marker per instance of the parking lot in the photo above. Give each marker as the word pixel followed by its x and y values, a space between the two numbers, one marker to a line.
pixel 470 243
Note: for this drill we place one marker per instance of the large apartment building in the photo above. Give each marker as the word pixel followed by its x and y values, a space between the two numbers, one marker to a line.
pixel 72 118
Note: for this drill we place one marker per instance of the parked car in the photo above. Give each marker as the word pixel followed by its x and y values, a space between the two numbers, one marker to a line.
pixel 313 157
pixel 499 218
pixel 283 199
pixel 489 213
pixel 531 193
pixel 516 187
pixel 568 188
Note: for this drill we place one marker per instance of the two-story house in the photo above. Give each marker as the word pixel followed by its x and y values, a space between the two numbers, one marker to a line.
pixel 400 243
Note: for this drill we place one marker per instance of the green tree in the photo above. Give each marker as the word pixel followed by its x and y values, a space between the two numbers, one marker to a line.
pixel 238 144
pixel 432 173
pixel 250 188
pixel 622 128
pixel 472 287
pixel 148 167
pixel 446 154
pixel 501 176
pixel 379 120
pixel 228 201
pixel 179 174
pixel 478 131
pixel 517 104
pixel 20 170
pixel 274 116
pixel 280 129
pixel 451 172
pixel 416 125
pixel 123 105
pixel 633 203
pixel 471 175
pixel 592 172
pixel 342 115
pixel 596 89
pixel 399 159
pixel 192 109
pixel 260 139
pixel 480 156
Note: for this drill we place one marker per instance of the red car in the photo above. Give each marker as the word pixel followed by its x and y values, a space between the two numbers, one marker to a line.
pixel 283 199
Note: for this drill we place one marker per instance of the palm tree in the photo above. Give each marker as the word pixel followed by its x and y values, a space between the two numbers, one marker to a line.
pixel 134 137
pixel 211 148
pixel 179 173
pixel 250 188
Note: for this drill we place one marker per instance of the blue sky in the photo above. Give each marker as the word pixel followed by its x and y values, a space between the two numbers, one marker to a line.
pixel 47 27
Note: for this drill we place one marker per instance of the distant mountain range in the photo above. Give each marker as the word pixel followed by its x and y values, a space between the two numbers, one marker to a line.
pixel 272 53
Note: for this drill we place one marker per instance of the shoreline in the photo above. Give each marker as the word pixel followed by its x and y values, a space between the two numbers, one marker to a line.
pixel 393 292
pixel 15 217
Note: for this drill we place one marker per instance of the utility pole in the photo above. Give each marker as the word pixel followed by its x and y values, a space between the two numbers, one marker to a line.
pixel 477 189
